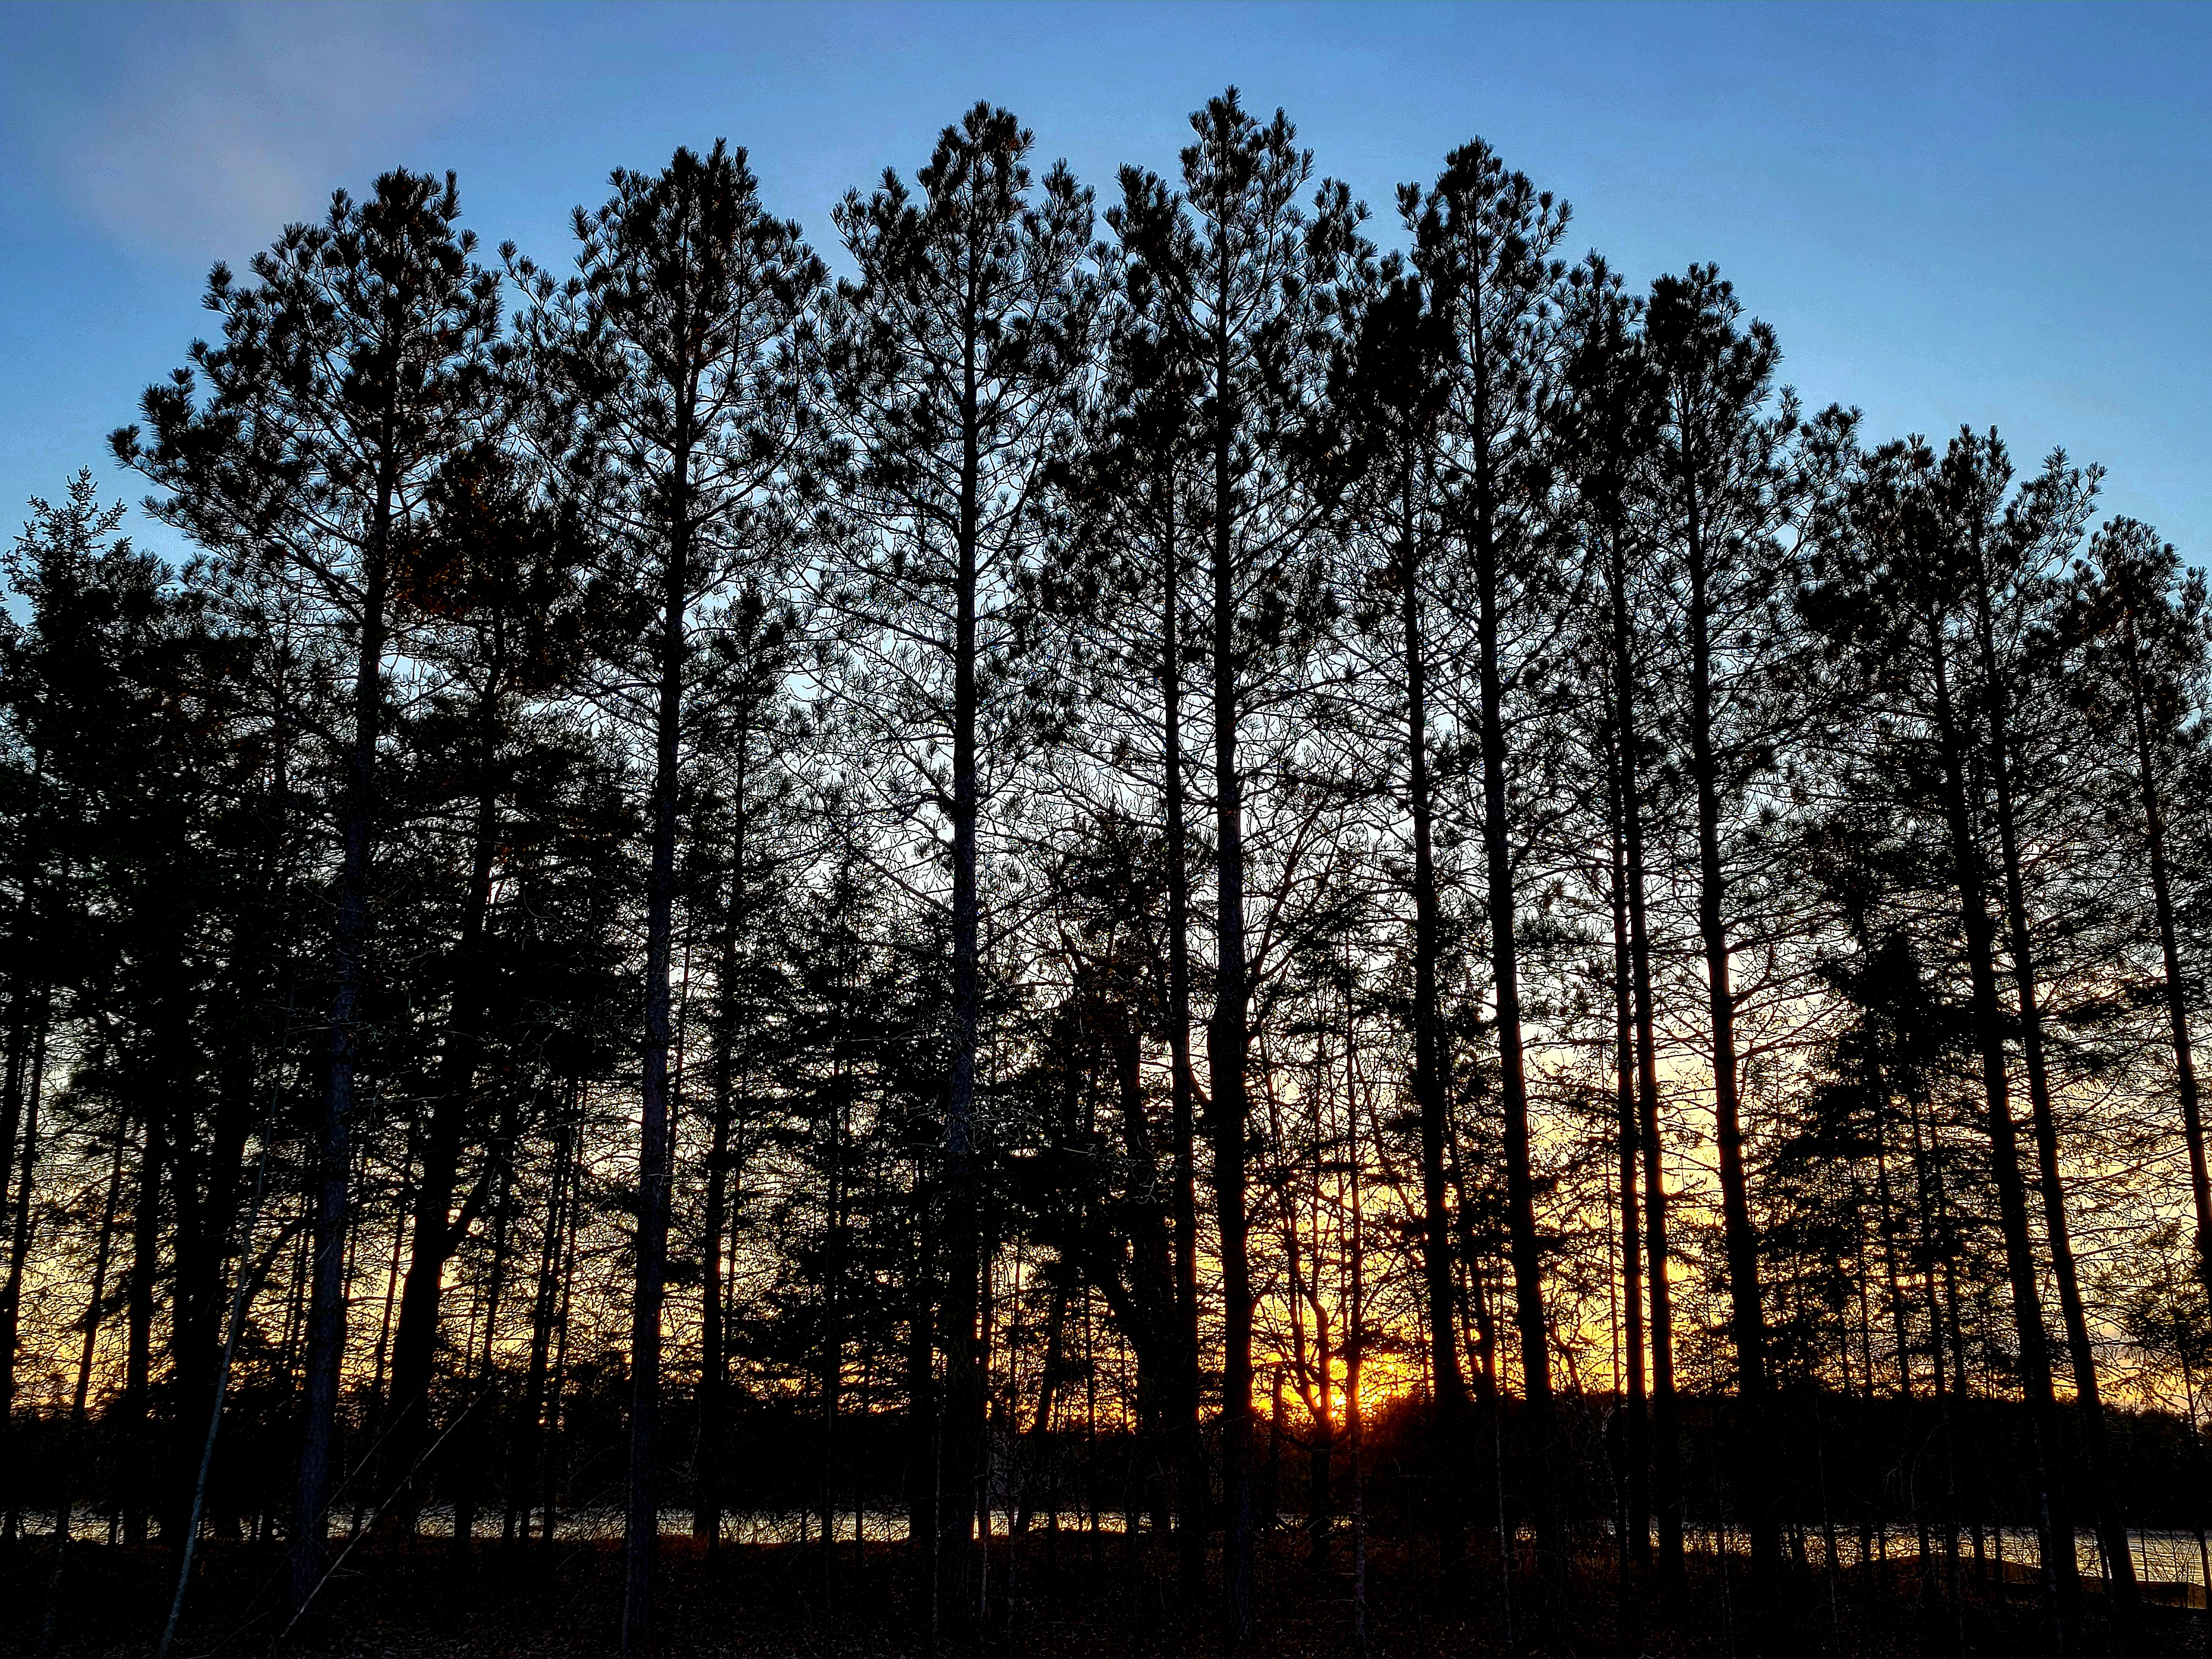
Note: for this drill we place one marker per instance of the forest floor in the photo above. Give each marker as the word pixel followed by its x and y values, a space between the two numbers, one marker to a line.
pixel 394 1601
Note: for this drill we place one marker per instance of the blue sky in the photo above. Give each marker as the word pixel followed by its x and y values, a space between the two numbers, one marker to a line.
pixel 1982 213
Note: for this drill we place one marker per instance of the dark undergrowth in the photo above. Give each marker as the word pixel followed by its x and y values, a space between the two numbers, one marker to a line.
pixel 1072 1596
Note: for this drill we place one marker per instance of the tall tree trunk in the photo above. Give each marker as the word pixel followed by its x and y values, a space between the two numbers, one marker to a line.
pixel 1930 1247
pixel 1428 1084
pixel 2060 1577
pixel 962 1435
pixel 1746 1318
pixel 642 1529
pixel 714 1357
pixel 1040 1436
pixel 189 1222
pixel 438 1233
pixel 1190 1449
pixel 326 1306
pixel 145 1277
pixel 1636 1543
pixel 1321 1450
pixel 1355 1351
pixel 251 1274
pixel 1227 1035
pixel 923 1469
pixel 2177 992
pixel 19 1242
pixel 380 1396
pixel 66 1500
pixel 30 995
pixel 557 1398
pixel 1891 1280
pixel 467 1464
pixel 713 1344
pixel 830 1366
pixel 2112 1533
pixel 1665 1440
pixel 202 1282
pixel 1513 1088
pixel 1154 1330
pixel 523 1453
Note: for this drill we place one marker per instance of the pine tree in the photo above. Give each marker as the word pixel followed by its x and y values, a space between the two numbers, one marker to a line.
pixel 1131 489
pixel 353 366
pixel 1482 242
pixel 752 752
pixel 94 778
pixel 2134 627
pixel 1403 377
pixel 683 368
pixel 1605 418
pixel 1734 475
pixel 1887 597
pixel 1245 283
pixel 962 348
pixel 503 616
pixel 1999 550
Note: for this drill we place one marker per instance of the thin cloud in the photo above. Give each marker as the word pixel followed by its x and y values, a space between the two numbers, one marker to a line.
pixel 223 124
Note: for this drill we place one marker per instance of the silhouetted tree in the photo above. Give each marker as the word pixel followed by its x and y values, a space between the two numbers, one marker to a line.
pixel 682 363
pixel 961 347
pixel 356 362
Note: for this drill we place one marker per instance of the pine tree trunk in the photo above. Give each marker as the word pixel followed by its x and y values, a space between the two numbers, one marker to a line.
pixel 923 1469
pixel 205 1212
pixel 378 1396
pixel 19 1247
pixel 466 1462
pixel 1636 1543
pixel 1320 1503
pixel 1226 1039
pixel 1665 1440
pixel 1190 1449
pixel 30 997
pixel 1929 1249
pixel 641 1528
pixel 713 1433
pixel 2175 988
pixel 557 1398
pixel 831 1359
pixel 1155 1333
pixel 1429 1083
pixel 2060 1578
pixel 962 1434
pixel 2112 1533
pixel 326 1306
pixel 1355 1346
pixel 437 1233
pixel 1890 1280
pixel 523 1453
pixel 66 1500
pixel 1513 1089
pixel 1040 1436
pixel 1747 1317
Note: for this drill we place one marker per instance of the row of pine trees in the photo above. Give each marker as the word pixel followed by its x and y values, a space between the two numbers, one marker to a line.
pixel 1160 824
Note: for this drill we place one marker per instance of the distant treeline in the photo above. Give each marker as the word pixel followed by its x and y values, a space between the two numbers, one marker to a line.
pixel 1857 1466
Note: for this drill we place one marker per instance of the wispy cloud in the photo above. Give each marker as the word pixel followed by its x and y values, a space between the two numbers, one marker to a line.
pixel 214 126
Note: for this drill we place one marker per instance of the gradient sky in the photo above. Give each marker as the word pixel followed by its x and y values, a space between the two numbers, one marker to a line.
pixel 1984 214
